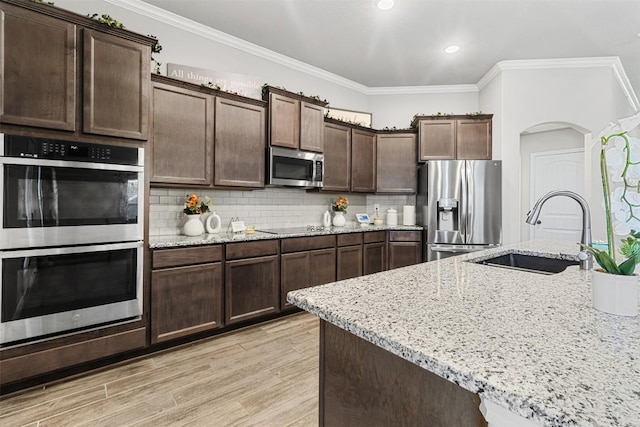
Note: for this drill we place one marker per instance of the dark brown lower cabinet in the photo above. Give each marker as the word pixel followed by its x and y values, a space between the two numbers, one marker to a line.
pixel 374 252
pixel 185 300
pixel 251 288
pixel 405 248
pixel 304 269
pixel 349 262
pixel 373 257
pixel 186 292
pixel 362 384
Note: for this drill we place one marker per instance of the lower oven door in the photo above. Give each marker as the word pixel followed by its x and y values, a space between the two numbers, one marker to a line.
pixel 59 290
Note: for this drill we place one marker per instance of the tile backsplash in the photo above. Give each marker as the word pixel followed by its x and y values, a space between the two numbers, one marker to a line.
pixel 272 207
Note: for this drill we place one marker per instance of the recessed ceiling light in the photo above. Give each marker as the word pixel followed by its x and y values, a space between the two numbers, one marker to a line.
pixel 385 4
pixel 452 49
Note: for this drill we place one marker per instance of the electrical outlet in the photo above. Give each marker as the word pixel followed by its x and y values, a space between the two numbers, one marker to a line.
pixel 376 206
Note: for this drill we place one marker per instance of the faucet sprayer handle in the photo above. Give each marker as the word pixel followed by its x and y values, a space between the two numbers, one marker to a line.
pixel 583 255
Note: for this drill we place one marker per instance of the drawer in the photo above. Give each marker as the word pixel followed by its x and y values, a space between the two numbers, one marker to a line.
pixel 405 236
pixel 297 244
pixel 350 239
pixel 251 249
pixel 163 258
pixel 374 236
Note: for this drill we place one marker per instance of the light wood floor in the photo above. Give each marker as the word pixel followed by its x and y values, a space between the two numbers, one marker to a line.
pixel 266 375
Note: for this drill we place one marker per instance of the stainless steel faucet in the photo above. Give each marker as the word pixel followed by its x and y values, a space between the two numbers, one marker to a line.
pixel 586 261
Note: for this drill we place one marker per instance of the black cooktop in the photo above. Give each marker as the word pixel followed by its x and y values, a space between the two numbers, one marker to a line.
pixel 294 230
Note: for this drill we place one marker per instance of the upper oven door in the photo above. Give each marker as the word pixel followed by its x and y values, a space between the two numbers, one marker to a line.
pixel 55 203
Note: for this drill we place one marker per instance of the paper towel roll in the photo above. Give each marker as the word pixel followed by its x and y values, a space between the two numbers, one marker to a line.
pixel 408 215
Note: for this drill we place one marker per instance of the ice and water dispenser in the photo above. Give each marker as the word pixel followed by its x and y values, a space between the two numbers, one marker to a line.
pixel 447 215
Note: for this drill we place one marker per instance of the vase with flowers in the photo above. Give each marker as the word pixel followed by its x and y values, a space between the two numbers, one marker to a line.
pixel 339 208
pixel 615 285
pixel 194 207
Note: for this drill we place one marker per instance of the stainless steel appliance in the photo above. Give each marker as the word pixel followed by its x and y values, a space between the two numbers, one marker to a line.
pixel 460 203
pixel 67 193
pixel 294 168
pixel 71 246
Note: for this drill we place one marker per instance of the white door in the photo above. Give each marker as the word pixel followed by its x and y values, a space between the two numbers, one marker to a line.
pixel 561 217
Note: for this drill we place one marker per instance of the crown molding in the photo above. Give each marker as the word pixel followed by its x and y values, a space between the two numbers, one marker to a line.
pixel 412 90
pixel 612 62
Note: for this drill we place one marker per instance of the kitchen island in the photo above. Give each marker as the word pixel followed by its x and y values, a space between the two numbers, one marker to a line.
pixel 528 346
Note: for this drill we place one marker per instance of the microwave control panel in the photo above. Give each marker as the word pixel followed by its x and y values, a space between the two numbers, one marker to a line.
pixel 51 149
pixel 318 171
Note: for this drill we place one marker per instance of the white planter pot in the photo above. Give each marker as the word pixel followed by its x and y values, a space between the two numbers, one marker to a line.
pixel 615 294
pixel 339 220
pixel 193 226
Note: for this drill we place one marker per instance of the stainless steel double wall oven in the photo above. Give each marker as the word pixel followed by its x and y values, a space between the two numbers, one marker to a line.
pixel 71 242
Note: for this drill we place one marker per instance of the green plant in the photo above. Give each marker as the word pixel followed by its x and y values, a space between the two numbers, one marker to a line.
pixel 107 20
pixel 620 178
pixel 157 48
pixel 210 85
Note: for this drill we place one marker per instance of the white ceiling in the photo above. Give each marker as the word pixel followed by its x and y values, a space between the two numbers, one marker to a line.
pixel 404 46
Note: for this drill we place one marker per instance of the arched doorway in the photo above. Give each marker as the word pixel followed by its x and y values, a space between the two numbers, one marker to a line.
pixel 552 157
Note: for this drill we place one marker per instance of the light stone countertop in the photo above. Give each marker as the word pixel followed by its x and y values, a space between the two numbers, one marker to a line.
pixel 527 342
pixel 176 241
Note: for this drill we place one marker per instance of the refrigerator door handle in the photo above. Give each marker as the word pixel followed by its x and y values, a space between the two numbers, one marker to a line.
pixel 464 200
pixel 470 207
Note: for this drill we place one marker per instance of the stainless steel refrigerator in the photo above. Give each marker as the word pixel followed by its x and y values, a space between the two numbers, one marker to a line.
pixel 460 204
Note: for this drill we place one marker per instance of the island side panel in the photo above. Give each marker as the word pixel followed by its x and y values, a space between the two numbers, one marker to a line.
pixel 363 384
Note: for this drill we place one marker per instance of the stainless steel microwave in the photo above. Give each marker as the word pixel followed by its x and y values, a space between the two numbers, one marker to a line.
pixel 294 168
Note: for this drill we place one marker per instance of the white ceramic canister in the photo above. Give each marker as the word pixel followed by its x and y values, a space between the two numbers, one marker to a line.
pixel 392 217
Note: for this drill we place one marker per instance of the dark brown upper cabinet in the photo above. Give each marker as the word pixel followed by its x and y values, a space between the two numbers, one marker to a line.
pixel 30 43
pixel 464 137
pixel 337 158
pixel 473 138
pixel 396 166
pixel 182 123
pixel 45 93
pixel 220 137
pixel 295 121
pixel 240 144
pixel 116 86
pixel 363 161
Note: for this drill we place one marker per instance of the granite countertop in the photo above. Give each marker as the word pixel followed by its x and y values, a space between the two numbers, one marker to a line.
pixel 527 342
pixel 176 241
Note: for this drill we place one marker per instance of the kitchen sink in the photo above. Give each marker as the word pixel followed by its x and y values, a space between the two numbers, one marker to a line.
pixel 530 263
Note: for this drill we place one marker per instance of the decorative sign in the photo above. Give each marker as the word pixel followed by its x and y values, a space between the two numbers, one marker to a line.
pixel 248 86
pixel 237 226
pixel 355 117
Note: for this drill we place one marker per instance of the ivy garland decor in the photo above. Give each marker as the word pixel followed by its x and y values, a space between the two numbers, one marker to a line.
pixel 107 20
pixel 157 48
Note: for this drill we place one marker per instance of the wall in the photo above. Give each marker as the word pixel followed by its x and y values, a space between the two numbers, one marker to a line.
pixel 587 98
pixel 398 110
pixel 265 209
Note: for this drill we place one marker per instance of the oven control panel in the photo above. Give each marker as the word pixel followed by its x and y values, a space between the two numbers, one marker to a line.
pixel 51 149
